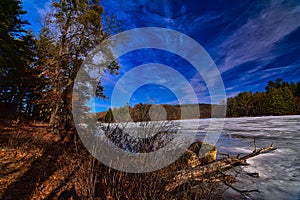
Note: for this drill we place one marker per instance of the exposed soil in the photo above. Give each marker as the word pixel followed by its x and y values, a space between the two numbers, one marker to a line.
pixel 34 165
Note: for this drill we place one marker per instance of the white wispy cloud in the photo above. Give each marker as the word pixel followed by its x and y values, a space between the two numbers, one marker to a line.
pixel 253 80
pixel 256 39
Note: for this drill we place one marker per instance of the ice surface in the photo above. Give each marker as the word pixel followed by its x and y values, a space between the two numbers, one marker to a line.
pixel 279 170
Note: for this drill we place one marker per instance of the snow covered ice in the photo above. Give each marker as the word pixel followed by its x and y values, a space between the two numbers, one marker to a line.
pixel 279 171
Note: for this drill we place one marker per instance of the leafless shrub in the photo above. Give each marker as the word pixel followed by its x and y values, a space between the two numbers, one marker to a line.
pixel 103 182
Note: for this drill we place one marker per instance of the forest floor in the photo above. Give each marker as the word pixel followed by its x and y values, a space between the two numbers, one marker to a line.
pixel 34 165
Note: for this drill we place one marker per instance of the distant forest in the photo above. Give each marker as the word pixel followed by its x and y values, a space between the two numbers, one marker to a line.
pixel 279 98
pixel 142 112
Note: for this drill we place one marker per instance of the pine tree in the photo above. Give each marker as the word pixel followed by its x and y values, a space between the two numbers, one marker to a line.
pixel 69 33
pixel 232 107
pixel 244 103
pixel 259 102
pixel 281 101
pixel 11 32
pixel 16 56
pixel 109 117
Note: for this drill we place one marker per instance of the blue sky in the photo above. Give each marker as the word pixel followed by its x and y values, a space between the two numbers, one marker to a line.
pixel 251 42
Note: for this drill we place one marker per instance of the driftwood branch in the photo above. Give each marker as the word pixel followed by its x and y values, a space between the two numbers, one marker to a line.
pixel 239 190
pixel 203 173
pixel 228 183
pixel 259 151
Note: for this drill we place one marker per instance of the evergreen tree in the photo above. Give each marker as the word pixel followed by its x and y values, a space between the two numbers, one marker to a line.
pixel 280 98
pixel 259 102
pixel 297 90
pixel 281 101
pixel 109 117
pixel 16 57
pixel 69 33
pixel 232 108
pixel 244 103
pixel 11 32
pixel 297 98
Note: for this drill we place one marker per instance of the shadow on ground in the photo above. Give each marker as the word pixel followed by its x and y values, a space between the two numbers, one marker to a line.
pixel 28 160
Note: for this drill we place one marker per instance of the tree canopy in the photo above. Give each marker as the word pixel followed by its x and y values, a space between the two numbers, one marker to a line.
pixel 37 74
pixel 69 33
pixel 16 56
pixel 280 98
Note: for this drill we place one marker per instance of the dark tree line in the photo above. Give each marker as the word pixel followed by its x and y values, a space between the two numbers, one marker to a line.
pixel 16 57
pixel 151 112
pixel 279 98
pixel 37 73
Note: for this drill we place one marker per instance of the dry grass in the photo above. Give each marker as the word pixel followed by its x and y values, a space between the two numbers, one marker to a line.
pixel 35 165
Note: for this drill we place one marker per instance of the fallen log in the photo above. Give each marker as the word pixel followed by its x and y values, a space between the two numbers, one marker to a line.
pixel 204 172
pixel 200 172
pixel 260 151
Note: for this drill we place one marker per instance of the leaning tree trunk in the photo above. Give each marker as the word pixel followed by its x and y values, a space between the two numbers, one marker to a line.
pixel 61 120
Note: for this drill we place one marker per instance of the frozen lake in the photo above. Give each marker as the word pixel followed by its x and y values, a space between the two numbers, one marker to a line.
pixel 279 170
